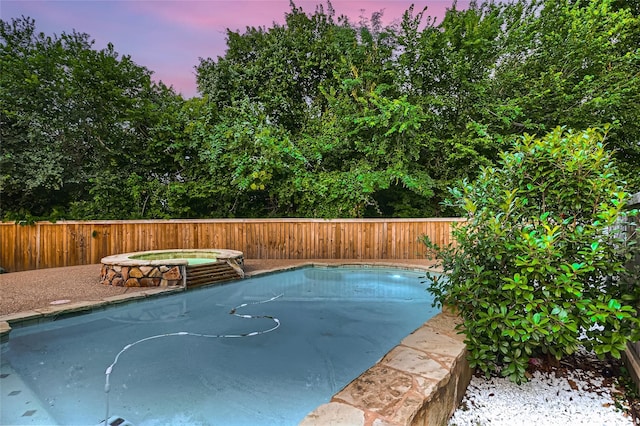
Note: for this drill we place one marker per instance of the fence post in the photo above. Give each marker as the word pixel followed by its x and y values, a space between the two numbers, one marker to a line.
pixel 632 354
pixel 634 204
pixel 37 247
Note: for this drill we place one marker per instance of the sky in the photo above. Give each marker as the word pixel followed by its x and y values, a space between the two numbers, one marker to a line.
pixel 169 36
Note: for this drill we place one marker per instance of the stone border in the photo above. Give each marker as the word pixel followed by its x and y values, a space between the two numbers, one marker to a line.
pixel 124 259
pixel 122 270
pixel 142 276
pixel 51 313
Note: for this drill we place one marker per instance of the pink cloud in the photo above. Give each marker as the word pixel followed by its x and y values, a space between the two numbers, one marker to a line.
pixel 237 15
pixel 205 15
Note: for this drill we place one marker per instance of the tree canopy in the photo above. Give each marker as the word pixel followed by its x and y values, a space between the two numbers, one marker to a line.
pixel 74 121
pixel 316 117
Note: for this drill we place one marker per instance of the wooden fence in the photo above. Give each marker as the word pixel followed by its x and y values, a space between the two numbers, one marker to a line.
pixel 68 243
pixel 632 354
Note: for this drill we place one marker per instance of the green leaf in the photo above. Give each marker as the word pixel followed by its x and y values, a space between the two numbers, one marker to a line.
pixel 536 318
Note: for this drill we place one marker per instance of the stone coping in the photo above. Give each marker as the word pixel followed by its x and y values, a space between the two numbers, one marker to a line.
pixel 124 259
pixel 419 382
pixel 53 312
pixel 346 264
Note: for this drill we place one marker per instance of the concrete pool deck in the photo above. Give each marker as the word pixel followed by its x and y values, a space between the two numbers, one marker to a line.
pixel 419 382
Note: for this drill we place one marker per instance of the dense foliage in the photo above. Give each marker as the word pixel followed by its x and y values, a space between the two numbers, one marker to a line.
pixel 539 265
pixel 75 125
pixel 317 117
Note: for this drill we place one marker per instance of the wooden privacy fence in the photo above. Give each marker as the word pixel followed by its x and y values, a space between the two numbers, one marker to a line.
pixel 68 243
pixel 632 354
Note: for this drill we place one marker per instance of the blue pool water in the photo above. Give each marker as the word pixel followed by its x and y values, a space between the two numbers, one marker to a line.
pixel 334 323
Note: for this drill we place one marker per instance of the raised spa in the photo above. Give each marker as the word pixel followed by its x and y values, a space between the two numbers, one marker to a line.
pixel 164 268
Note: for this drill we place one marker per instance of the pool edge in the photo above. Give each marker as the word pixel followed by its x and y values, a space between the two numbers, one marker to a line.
pixel 51 313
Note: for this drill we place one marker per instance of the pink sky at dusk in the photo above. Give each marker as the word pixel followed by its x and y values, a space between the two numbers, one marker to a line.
pixel 168 36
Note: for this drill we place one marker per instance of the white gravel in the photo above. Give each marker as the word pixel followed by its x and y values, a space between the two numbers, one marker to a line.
pixel 580 398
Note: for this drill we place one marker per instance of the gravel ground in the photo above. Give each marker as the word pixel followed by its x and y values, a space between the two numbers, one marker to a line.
pixel 581 391
pixel 23 291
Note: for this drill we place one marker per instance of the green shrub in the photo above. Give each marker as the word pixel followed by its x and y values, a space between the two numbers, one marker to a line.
pixel 539 262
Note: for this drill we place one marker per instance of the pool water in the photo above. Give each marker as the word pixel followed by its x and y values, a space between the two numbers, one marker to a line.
pixel 334 323
pixel 199 261
pixel 201 256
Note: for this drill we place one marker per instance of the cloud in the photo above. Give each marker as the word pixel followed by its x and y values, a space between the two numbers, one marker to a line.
pixel 206 15
pixel 215 15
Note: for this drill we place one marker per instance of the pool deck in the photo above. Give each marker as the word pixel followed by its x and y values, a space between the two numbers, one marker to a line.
pixel 419 382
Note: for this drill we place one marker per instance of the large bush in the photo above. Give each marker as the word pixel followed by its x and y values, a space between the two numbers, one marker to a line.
pixel 538 268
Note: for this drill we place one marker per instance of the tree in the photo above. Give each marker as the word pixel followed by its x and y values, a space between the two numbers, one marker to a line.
pixel 356 135
pixel 571 63
pixel 318 116
pixel 70 116
pixel 280 68
pixel 539 263
pixel 445 69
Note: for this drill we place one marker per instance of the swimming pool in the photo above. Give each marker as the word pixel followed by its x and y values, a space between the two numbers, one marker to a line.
pixel 334 323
